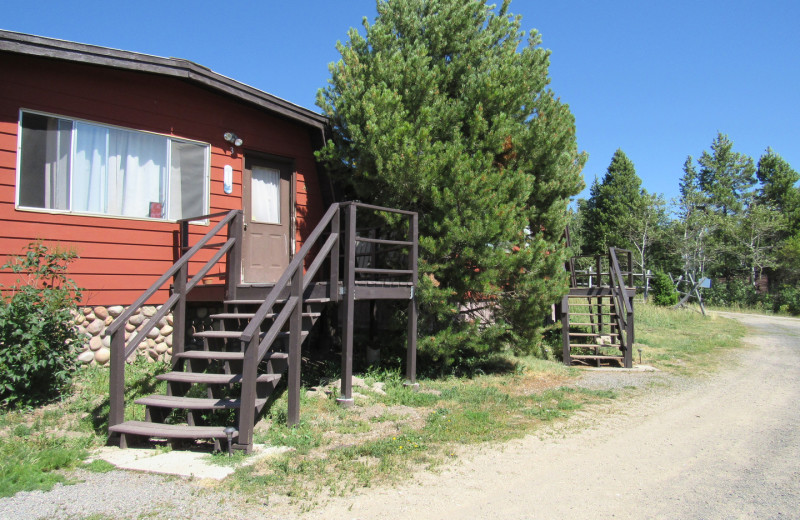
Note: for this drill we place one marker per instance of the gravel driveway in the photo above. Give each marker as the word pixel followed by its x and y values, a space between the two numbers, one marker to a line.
pixel 724 447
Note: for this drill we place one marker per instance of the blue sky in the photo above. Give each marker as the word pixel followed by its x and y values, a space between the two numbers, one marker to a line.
pixel 657 79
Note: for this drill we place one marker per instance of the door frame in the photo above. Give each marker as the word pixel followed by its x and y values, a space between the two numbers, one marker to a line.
pixel 280 162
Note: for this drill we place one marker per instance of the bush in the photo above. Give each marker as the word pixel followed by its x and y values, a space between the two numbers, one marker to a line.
pixel 787 299
pixel 37 333
pixel 663 291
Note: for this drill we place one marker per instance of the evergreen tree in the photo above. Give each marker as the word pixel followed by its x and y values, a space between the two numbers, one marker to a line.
pixel 610 204
pixel 778 188
pixel 695 223
pixel 440 109
pixel 725 176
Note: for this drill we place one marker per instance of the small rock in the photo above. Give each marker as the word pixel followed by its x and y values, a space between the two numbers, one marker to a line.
pixel 102 356
pixel 151 343
pixel 87 356
pixel 153 334
pixel 168 341
pixel 87 311
pixel 162 322
pixel 378 388
pixel 95 343
pixel 109 320
pixel 166 330
pixel 95 327
pixel 153 354
pixel 136 320
pixel 160 339
pixel 170 319
pixel 79 319
pixel 116 310
pixel 148 310
pixel 127 336
pixel 316 394
pixel 101 312
pixel 161 348
pixel 130 327
pixel 359 383
pixel 107 341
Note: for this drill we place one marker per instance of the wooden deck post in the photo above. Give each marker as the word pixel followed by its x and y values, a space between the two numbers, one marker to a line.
pixel 346 395
pixel 233 259
pixel 247 405
pixel 333 279
pixel 565 329
pixel 295 342
pixel 413 255
pixel 116 414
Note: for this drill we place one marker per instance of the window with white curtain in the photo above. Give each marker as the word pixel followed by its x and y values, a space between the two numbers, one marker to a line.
pixel 82 167
pixel 265 189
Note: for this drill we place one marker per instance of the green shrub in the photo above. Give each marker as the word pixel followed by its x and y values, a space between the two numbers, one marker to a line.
pixel 37 333
pixel 663 291
pixel 787 299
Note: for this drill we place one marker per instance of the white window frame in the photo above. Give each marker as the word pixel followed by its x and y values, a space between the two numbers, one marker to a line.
pixel 206 172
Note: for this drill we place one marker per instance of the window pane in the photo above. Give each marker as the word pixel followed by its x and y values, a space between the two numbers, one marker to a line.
pixel 187 180
pixel 89 174
pixel 44 162
pixel 136 174
pixel 265 203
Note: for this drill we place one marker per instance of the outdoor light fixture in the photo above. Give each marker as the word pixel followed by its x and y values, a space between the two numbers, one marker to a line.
pixel 229 431
pixel 232 138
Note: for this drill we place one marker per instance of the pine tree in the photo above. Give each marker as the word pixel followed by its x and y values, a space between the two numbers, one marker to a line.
pixel 778 188
pixel 725 176
pixel 610 204
pixel 440 109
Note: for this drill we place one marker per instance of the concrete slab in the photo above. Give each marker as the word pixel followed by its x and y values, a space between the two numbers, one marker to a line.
pixel 196 464
pixel 637 368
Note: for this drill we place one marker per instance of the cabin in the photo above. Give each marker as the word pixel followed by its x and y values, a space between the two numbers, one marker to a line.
pixel 207 233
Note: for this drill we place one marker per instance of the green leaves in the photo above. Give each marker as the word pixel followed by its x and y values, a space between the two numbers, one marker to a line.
pixel 36 327
pixel 439 108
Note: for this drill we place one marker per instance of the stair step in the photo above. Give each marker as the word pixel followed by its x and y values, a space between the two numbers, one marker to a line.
pixel 604 324
pixel 592 313
pixel 617 358
pixel 593 345
pixel 224 356
pixel 251 315
pixel 212 379
pixel 593 334
pixel 259 302
pixel 235 334
pixel 193 403
pixel 174 431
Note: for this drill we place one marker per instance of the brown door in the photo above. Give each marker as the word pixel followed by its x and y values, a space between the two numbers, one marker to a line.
pixel 267 194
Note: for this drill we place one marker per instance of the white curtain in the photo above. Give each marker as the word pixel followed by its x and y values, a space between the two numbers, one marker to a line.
pixel 266 195
pixel 136 166
pixel 89 170
pixel 118 172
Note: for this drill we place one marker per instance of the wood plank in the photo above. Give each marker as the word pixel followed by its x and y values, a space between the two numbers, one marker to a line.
pixel 212 379
pixel 175 431
pixel 189 403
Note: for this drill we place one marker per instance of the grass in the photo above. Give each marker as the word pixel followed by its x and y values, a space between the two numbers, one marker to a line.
pixel 683 341
pixel 390 433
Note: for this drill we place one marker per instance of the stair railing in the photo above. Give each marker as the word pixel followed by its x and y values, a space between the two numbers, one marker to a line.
pixel 181 285
pixel 255 348
pixel 622 302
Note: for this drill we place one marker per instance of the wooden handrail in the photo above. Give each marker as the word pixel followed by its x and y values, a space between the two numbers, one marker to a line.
pixel 123 318
pixel 283 281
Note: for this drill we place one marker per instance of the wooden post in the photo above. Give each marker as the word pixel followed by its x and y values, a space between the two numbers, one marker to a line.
pixel 333 280
pixel 233 260
pixel 413 255
pixel 116 414
pixel 247 406
pixel 565 330
pixel 346 395
pixel 295 342
pixel 179 313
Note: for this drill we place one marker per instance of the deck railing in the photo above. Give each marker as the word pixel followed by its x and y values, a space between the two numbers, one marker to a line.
pixel 178 273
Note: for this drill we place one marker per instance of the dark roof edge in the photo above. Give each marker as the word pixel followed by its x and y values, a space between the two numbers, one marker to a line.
pixel 175 67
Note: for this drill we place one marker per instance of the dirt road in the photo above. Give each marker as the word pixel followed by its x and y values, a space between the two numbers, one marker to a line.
pixel 726 447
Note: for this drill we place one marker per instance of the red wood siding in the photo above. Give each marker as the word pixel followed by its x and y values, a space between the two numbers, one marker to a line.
pixel 120 258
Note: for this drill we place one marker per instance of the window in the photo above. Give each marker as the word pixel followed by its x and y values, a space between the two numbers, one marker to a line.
pixel 81 167
pixel 265 196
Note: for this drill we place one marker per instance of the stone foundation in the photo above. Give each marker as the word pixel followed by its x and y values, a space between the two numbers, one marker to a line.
pixel 92 323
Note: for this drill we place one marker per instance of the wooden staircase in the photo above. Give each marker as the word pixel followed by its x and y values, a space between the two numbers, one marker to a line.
pixel 222 378
pixel 597 319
